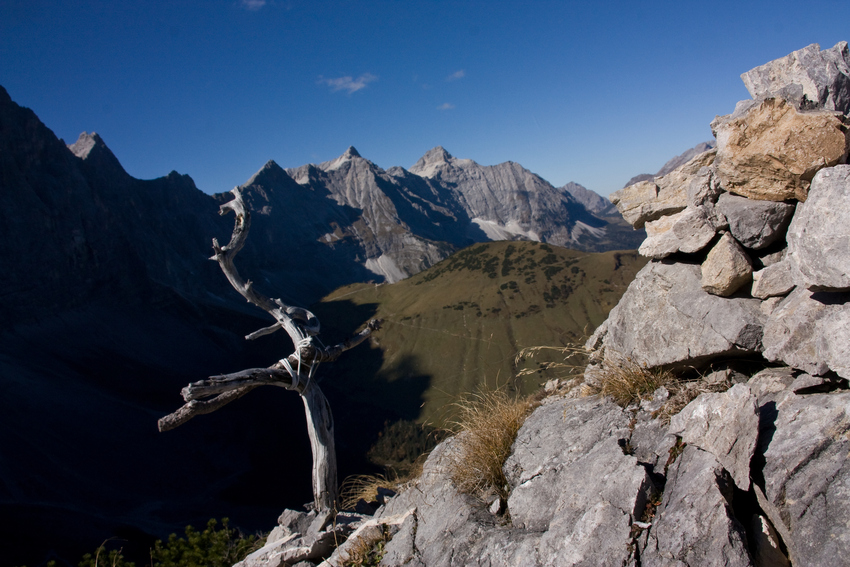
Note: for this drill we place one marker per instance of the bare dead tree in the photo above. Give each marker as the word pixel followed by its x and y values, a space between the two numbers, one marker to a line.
pixel 294 372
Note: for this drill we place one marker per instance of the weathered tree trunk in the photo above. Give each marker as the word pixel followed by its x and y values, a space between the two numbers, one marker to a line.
pixel 294 372
pixel 320 428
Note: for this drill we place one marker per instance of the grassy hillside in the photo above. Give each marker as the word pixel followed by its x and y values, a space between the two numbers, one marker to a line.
pixel 460 324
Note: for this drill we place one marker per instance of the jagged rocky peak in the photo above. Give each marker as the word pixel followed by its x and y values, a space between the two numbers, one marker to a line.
pixel 270 174
pixel 93 150
pixel 350 155
pixel 351 152
pixel 433 160
pixel 591 200
pixel 84 144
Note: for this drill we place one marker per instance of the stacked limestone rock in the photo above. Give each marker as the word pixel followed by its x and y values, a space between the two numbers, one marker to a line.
pixel 751 263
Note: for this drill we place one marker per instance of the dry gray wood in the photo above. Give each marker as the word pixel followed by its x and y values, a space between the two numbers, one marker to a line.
pixel 294 372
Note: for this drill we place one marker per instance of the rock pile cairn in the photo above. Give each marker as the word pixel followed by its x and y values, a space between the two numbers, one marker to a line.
pixel 750 241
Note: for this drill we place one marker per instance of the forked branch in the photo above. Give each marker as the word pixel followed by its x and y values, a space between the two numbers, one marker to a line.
pixel 294 372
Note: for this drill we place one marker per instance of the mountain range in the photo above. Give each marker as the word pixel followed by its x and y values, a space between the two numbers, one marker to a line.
pixel 110 306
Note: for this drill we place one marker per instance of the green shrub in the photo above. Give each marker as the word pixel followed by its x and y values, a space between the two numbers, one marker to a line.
pixel 209 548
pixel 212 547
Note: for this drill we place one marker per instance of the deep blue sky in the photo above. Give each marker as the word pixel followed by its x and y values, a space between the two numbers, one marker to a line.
pixel 592 92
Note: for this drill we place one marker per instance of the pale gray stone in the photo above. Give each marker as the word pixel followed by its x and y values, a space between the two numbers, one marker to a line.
pixel 810 331
pixel 819 235
pixel 695 525
pixel 572 480
pixel 808 384
pixel 821 78
pixel 448 524
pixel 774 280
pixel 727 268
pixel 755 224
pixel 807 474
pixel 650 200
pixel 765 258
pixel 770 381
pixel 688 231
pixel 769 305
pixel 651 441
pixel 704 188
pixel 552 449
pixel 665 318
pixel 724 424
pixel 401 549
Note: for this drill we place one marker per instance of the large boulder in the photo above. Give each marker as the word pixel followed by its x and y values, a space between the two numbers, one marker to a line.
pixel 810 331
pixel 650 200
pixel 772 151
pixel 666 318
pixel 805 444
pixel 819 234
pixel 812 77
pixel 755 224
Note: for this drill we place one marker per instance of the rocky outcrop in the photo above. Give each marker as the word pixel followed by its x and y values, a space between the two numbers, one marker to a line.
pixel 734 217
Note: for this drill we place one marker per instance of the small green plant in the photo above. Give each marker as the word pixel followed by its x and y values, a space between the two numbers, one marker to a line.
pixel 104 558
pixel 486 427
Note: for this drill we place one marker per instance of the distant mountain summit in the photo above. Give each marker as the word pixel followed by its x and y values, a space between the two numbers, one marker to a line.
pixel 591 200
pixel 674 163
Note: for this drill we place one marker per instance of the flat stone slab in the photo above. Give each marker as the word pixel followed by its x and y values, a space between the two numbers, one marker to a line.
pixel 665 318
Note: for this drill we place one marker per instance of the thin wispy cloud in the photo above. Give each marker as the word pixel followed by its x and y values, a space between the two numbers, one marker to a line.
pixel 456 75
pixel 253 5
pixel 446 106
pixel 349 83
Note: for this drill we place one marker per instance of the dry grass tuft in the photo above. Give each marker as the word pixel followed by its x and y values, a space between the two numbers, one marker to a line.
pixel 486 426
pixel 570 364
pixel 364 486
pixel 628 382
